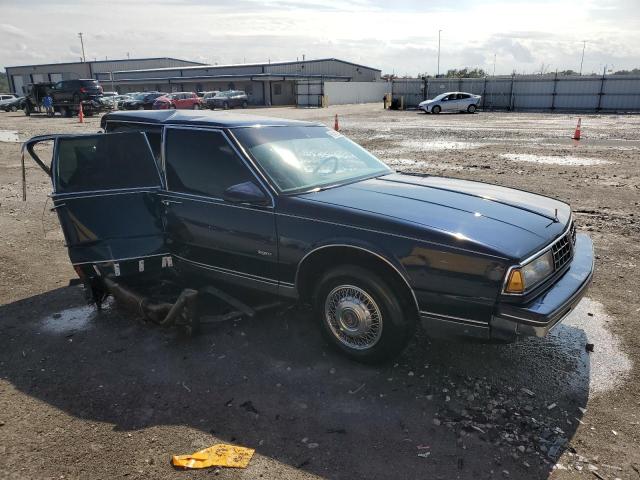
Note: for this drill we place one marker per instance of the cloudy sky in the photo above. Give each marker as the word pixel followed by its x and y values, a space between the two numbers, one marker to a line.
pixel 397 36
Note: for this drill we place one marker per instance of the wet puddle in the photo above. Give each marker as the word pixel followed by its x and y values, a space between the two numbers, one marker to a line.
pixel 568 160
pixel 71 320
pixel 436 145
pixel 9 136
pixel 607 366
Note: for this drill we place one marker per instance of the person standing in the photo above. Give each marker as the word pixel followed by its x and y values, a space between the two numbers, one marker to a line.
pixel 47 103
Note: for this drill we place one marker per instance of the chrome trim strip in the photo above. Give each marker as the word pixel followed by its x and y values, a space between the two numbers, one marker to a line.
pixel 422 240
pixel 102 193
pixel 531 258
pixel 123 259
pixel 213 200
pixel 415 299
pixel 457 322
pixel 451 318
pixel 226 271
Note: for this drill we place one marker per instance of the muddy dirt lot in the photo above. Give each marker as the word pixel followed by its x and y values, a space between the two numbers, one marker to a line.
pixel 89 395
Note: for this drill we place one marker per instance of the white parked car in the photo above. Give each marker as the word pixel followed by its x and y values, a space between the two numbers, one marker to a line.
pixel 451 102
pixel 7 98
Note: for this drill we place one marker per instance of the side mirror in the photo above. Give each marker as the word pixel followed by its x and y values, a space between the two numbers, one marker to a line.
pixel 247 192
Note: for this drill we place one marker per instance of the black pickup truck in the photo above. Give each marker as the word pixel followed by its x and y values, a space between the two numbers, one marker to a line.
pixel 67 96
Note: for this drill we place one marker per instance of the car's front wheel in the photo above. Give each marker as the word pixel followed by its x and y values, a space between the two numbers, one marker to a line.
pixel 196 106
pixel 471 109
pixel 362 315
pixel 436 109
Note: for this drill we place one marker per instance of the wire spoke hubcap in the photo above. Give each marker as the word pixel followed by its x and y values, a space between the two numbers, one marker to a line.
pixel 353 317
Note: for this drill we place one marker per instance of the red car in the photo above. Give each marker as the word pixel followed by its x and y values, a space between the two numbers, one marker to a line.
pixel 181 100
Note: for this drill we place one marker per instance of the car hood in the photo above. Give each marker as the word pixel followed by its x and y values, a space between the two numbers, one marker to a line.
pixel 511 223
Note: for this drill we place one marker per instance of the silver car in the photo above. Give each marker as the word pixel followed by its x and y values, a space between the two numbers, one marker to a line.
pixel 451 102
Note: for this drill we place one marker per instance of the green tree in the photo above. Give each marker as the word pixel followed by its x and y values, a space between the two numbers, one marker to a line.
pixel 466 73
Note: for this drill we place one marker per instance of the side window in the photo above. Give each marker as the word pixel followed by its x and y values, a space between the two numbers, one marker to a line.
pixel 202 162
pixel 154 135
pixel 104 162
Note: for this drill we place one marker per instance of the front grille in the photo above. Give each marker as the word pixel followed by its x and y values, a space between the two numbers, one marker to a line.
pixel 563 249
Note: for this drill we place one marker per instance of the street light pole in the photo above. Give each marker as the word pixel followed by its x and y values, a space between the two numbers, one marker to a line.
pixel 82 45
pixel 584 44
pixel 438 74
pixel 494 64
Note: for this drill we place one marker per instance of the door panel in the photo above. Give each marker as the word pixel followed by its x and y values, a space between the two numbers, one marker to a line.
pixel 235 241
pixel 228 240
pixel 105 194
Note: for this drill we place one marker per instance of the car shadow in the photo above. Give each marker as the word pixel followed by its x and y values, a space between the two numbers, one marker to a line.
pixel 441 410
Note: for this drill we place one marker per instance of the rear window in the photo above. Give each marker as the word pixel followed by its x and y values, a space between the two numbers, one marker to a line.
pixel 104 162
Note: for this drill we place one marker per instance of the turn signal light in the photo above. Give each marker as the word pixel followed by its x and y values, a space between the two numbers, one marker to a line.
pixel 515 284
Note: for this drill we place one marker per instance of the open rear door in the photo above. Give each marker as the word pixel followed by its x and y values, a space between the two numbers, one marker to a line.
pixel 104 192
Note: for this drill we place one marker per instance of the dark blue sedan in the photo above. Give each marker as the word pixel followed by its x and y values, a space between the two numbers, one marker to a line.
pixel 300 211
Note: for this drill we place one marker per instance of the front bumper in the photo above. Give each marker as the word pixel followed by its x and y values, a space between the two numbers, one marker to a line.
pixel 544 312
pixel 535 318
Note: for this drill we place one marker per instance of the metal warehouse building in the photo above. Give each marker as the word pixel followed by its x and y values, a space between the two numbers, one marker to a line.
pixel 278 83
pixel 20 76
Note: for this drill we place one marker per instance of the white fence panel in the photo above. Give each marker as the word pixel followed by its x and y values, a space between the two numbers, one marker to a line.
pixel 341 93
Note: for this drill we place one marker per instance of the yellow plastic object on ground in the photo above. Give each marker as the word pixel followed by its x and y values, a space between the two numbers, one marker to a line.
pixel 217 456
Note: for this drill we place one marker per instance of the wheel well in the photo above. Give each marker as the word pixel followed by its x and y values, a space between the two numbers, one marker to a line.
pixel 318 262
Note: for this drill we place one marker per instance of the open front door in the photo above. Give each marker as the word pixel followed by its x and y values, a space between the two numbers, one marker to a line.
pixel 104 192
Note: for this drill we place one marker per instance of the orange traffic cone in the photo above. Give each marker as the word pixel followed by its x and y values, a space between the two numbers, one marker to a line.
pixel 81 115
pixel 576 135
pixel 336 125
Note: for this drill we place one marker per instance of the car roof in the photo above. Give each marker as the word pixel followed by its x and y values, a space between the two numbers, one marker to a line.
pixel 202 118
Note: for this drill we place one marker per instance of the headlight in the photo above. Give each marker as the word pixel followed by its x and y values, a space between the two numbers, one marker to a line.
pixel 525 277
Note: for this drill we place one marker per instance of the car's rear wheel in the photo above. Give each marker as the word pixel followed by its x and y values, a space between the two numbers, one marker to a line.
pixel 172 107
pixel 471 109
pixel 196 106
pixel 14 108
pixel 436 109
pixel 244 104
pixel 361 314
pixel 140 107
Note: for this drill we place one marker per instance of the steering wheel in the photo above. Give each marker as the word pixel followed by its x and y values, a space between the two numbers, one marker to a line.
pixel 333 159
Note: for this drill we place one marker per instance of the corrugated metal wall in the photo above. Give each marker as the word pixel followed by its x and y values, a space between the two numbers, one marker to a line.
pixel 589 93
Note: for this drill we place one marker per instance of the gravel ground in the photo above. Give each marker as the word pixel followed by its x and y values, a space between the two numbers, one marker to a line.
pixel 92 395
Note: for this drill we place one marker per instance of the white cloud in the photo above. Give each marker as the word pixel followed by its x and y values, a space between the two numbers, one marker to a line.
pixel 398 36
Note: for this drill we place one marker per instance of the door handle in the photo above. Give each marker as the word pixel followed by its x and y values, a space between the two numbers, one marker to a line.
pixel 57 207
pixel 166 203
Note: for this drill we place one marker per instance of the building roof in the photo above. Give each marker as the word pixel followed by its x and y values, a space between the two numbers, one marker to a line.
pixel 265 64
pixel 194 64
pixel 202 118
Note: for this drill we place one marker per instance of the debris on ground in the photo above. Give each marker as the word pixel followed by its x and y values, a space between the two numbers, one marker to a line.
pixel 221 455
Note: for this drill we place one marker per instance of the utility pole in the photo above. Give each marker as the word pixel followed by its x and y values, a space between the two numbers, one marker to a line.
pixel 584 44
pixel 438 74
pixel 82 45
pixel 494 64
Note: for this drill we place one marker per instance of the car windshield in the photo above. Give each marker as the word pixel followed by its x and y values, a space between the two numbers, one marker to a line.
pixel 302 159
pixel 222 94
pixel 441 96
pixel 139 96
